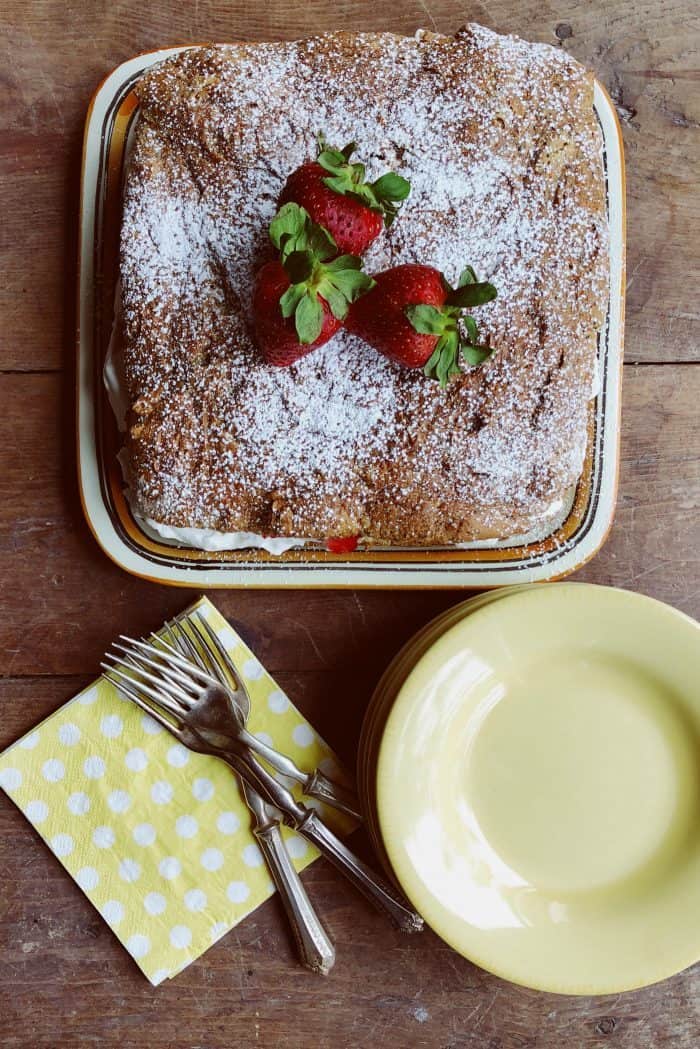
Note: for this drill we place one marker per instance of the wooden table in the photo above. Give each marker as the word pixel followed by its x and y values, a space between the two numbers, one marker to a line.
pixel 64 979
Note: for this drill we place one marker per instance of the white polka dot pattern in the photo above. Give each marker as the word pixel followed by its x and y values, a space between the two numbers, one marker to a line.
pixel 303 735
pixel 151 727
pixel 277 702
pixel 155 903
pixel 212 859
pixel 144 834
pixel 195 899
pixel 180 936
pixel 129 870
pixel 87 878
pixel 186 826
pixel 103 837
pixel 178 756
pixel 94 767
pixel 119 800
pixel 252 670
pixel 136 760
pixel 237 891
pixel 36 811
pixel 296 846
pixel 228 823
pixel 112 912
pixel 157 837
pixel 111 726
pixel 10 779
pixel 79 803
pixel 62 844
pixel 162 792
pixel 69 734
pixel 138 945
pixel 252 856
pixel 53 770
pixel 170 867
pixel 203 789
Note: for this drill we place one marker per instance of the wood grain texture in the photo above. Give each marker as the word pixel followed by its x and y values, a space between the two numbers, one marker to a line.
pixel 64 980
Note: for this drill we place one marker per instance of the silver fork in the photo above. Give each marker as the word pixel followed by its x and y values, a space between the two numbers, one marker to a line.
pixel 315 948
pixel 313 944
pixel 174 688
pixel 211 655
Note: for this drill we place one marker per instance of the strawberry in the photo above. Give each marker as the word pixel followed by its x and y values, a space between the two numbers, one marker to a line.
pixel 276 335
pixel 413 316
pixel 342 544
pixel 301 299
pixel 336 196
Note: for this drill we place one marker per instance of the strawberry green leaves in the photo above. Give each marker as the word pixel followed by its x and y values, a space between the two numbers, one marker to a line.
pixel 292 230
pixel 427 320
pixel 306 252
pixel 457 334
pixel 348 179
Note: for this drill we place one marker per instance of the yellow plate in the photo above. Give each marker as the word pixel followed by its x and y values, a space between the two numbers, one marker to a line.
pixel 538 788
pixel 385 694
pixel 394 676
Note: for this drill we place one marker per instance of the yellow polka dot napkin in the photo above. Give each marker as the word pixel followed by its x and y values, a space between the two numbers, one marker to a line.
pixel 156 836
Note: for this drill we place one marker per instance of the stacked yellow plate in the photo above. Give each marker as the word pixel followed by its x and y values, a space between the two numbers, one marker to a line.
pixel 530 768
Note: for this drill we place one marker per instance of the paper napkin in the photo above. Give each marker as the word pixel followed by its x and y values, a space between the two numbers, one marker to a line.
pixel 156 836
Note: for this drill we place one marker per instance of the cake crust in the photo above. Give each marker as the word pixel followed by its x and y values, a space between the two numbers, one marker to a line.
pixel 503 150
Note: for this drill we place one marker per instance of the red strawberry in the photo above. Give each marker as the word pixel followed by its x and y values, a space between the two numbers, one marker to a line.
pixel 342 544
pixel 336 196
pixel 413 315
pixel 276 335
pixel 300 301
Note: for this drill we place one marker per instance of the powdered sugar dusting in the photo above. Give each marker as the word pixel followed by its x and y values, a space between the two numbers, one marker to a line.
pixel 499 142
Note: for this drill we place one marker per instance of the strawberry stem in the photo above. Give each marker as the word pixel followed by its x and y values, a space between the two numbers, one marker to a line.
pixel 457 333
pixel 315 271
pixel 383 195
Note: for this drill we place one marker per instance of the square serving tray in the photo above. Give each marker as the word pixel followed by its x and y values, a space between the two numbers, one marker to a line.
pixel 571 544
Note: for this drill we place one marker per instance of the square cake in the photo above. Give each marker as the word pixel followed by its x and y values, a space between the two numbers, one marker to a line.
pixel 501 145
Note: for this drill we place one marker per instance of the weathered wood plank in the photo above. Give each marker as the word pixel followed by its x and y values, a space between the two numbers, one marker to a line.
pixel 53 60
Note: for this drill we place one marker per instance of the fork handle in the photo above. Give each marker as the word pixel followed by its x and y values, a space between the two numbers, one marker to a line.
pixel 315 784
pixel 308 823
pixel 356 870
pixel 319 786
pixel 313 944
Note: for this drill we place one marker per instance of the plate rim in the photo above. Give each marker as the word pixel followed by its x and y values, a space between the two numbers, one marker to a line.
pixel 334 572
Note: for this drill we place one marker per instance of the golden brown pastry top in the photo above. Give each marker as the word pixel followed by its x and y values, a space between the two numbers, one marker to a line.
pixel 502 147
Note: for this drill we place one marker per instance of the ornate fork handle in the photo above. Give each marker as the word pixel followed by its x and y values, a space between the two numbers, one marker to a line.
pixel 315 949
pixel 362 876
pixel 314 784
pixel 308 823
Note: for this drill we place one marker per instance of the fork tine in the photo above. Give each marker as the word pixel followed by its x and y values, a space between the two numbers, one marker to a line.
pixel 152 710
pixel 202 654
pixel 156 695
pixel 172 657
pixel 170 683
pixel 212 638
pixel 173 636
pixel 186 645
